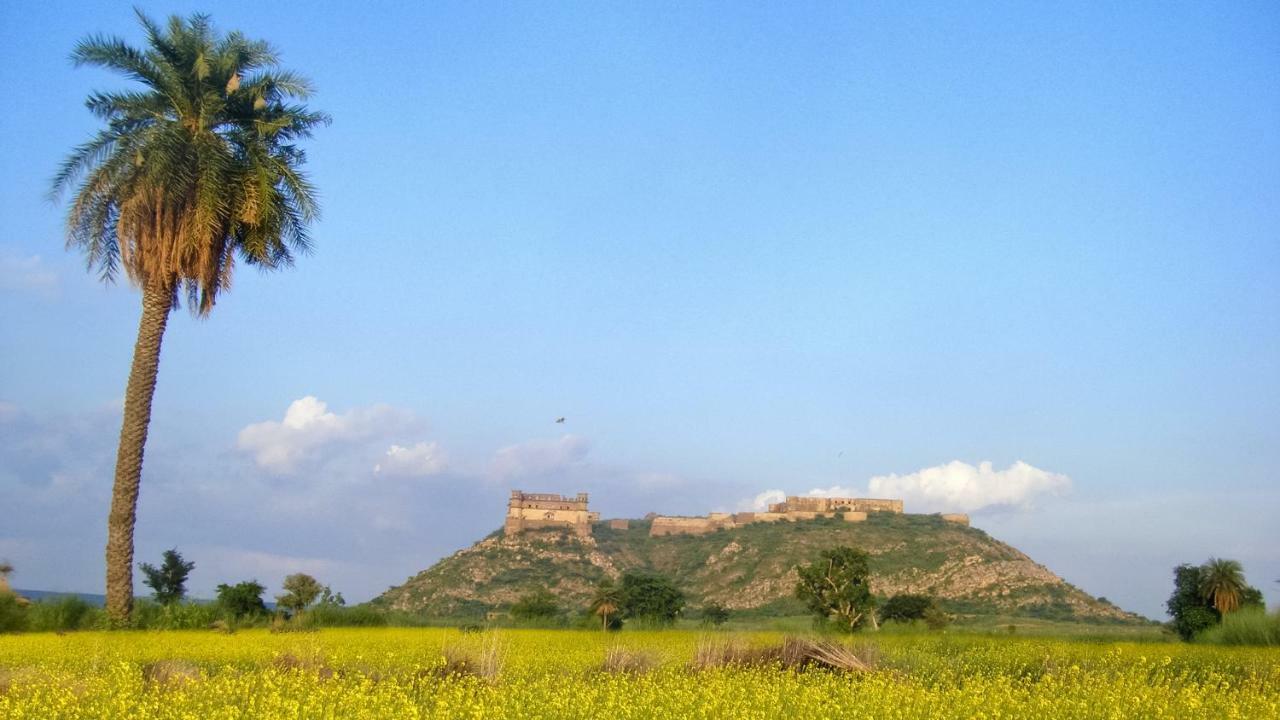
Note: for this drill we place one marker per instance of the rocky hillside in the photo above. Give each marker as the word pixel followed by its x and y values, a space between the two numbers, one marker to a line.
pixel 752 568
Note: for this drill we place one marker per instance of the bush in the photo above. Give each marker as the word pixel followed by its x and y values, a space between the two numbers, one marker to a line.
pixel 905 607
pixel 651 600
pixel 1251 626
pixel 715 614
pixel 536 606
pixel 13 614
pixel 62 614
pixel 242 600
pixel 148 615
pixel 339 616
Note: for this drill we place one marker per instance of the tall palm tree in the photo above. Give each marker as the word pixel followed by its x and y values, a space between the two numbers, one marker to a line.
pixel 195 169
pixel 1222 583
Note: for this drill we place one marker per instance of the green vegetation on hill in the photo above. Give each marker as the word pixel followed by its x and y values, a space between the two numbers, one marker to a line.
pixel 751 570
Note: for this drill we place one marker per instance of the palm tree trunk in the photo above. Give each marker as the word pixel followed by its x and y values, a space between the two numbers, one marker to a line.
pixel 157 301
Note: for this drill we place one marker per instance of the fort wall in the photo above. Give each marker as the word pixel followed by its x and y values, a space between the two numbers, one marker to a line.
pixel 669 525
pixel 532 511
pixel 832 504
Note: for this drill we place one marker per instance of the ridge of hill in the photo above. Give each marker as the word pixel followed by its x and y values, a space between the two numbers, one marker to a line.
pixel 752 568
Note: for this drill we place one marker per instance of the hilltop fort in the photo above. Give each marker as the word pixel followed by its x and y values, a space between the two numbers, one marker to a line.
pixel 744 561
pixel 527 511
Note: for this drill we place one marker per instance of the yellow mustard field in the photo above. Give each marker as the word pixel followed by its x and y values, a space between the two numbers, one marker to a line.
pixel 438 673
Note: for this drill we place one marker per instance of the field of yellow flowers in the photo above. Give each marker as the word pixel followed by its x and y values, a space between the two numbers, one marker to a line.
pixel 438 673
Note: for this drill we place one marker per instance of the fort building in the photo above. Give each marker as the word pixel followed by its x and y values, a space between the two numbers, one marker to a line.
pixel 793 510
pixel 795 504
pixel 535 511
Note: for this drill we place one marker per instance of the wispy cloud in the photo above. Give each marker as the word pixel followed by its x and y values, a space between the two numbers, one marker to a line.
pixel 539 457
pixel 419 460
pixel 27 274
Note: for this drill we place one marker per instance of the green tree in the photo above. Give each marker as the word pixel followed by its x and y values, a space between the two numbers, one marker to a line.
pixel 243 599
pixel 168 582
pixel 195 169
pixel 1191 613
pixel 905 607
pixel 836 586
pixel 13 610
pixel 329 598
pixel 936 618
pixel 300 590
pixel 606 603
pixel 537 605
pixel 713 613
pixel 650 598
pixel 1222 584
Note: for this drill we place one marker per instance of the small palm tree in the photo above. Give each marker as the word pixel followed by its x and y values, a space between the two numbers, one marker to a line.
pixel 195 170
pixel 1222 583
pixel 606 602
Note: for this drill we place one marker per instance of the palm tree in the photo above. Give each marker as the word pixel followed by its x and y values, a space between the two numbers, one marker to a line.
pixel 193 170
pixel 606 601
pixel 1222 583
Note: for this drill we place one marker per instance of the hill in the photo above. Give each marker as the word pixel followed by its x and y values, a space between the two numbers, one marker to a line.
pixel 752 568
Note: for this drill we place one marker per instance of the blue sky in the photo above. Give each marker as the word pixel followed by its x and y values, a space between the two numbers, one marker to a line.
pixel 738 248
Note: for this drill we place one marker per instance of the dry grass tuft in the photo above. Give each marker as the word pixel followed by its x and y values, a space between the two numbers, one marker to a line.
pixel 483 659
pixel 288 661
pixel 792 654
pixel 174 671
pixel 618 659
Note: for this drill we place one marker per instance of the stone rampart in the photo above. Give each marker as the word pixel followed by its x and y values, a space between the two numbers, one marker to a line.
pixel 801 504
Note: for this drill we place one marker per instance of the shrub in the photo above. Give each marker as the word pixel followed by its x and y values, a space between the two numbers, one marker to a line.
pixel 13 614
pixel 652 600
pixel 905 607
pixel 539 605
pixel 62 614
pixel 149 615
pixel 338 616
pixel 242 599
pixel 713 613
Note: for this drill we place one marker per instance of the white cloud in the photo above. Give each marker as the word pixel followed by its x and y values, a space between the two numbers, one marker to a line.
pixel 961 487
pixel 953 487
pixel 760 503
pixel 309 428
pixel 539 457
pixel 27 274
pixel 420 460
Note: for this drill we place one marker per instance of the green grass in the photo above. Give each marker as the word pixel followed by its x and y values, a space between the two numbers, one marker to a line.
pixel 1253 626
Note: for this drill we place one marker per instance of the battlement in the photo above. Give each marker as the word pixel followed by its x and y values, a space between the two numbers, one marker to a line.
pixel 531 511
pixel 796 503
